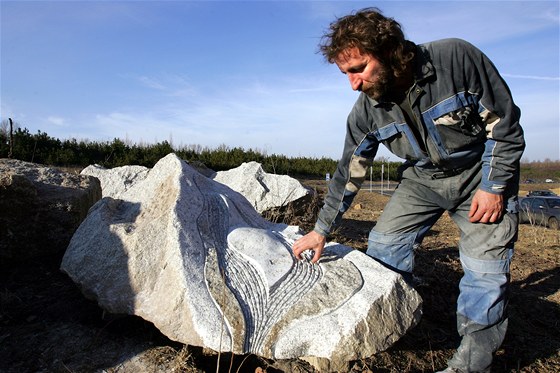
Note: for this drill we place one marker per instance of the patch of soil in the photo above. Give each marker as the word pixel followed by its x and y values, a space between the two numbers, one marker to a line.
pixel 46 325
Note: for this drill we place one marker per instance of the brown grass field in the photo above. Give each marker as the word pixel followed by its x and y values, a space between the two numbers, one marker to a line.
pixel 46 325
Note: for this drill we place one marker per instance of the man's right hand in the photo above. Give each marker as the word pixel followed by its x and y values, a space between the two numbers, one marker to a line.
pixel 311 241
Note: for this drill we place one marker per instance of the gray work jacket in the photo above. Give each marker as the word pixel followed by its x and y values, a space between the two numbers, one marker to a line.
pixel 466 112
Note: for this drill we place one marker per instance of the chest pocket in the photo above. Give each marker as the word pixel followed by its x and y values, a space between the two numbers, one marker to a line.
pixel 456 124
pixel 400 140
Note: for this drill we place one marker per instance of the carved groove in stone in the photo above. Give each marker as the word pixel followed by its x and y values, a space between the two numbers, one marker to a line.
pixel 262 306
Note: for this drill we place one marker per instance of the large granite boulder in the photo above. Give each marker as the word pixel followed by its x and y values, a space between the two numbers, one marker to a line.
pixel 193 257
pixel 40 208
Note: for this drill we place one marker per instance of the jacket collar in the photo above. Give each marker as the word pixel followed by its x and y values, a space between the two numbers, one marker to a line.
pixel 423 70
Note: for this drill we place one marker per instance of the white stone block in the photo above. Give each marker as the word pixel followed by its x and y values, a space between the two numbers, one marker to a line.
pixel 193 257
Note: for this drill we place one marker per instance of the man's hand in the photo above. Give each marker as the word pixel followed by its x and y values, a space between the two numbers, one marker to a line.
pixel 311 241
pixel 486 207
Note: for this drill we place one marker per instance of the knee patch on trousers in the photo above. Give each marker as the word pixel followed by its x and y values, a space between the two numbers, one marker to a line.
pixel 394 250
pixel 483 289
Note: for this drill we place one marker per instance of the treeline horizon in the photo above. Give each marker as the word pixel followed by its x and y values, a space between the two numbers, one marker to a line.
pixel 44 149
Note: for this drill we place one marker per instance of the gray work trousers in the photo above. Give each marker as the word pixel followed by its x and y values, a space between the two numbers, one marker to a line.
pixel 485 253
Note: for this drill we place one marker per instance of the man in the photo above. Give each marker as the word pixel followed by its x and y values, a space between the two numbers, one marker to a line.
pixel 444 108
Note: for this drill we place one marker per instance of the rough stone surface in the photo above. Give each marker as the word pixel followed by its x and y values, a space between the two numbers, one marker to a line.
pixel 40 208
pixel 193 257
pixel 263 190
pixel 117 180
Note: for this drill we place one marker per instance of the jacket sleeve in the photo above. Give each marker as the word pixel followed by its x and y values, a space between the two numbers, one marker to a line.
pixel 505 142
pixel 358 154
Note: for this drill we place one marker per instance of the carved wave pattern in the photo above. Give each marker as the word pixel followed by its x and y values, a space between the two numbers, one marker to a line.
pixel 262 307
pixel 284 294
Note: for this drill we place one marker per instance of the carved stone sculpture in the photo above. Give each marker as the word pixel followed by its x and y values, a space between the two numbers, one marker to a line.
pixel 193 257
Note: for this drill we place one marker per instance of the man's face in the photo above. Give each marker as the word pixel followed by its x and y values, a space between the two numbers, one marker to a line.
pixel 365 72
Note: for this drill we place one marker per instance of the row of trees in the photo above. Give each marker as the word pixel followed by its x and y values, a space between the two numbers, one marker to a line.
pixel 44 149
pixel 539 171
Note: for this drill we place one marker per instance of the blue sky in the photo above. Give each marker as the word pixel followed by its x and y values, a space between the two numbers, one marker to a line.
pixel 243 73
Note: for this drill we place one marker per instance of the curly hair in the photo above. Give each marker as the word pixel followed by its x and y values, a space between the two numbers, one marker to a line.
pixel 372 33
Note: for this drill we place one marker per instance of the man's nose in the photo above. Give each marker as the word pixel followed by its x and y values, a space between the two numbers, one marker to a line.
pixel 355 81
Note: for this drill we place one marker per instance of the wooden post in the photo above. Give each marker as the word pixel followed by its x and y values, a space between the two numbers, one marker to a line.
pixel 10 152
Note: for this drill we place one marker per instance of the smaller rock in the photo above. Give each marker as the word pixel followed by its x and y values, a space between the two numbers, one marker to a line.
pixel 277 195
pixel 40 208
pixel 263 190
pixel 116 181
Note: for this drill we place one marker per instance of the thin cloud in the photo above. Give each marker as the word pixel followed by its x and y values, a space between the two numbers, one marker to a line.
pixel 174 85
pixel 533 77
pixel 151 83
pixel 551 15
pixel 280 123
pixel 507 22
pixel 319 88
pixel 57 121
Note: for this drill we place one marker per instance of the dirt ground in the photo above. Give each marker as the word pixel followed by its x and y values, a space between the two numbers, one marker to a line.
pixel 46 325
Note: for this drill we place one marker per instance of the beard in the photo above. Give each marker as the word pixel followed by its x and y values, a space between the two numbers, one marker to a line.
pixel 381 86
